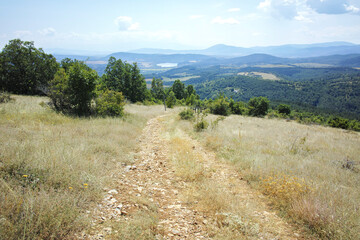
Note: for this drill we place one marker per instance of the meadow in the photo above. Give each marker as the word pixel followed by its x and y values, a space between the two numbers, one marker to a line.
pixel 54 168
pixel 310 173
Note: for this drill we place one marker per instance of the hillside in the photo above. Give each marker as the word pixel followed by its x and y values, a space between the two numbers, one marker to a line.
pixel 150 175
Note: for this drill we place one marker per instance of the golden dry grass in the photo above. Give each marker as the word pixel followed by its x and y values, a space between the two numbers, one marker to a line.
pixel 54 167
pixel 261 148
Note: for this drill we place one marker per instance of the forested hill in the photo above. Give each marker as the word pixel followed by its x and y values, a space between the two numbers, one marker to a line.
pixel 337 94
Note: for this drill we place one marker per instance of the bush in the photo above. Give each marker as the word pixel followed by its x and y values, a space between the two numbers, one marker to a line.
pixel 339 122
pixel 186 114
pixel 5 97
pixel 170 100
pixel 258 106
pixel 110 103
pixel 220 106
pixel 201 125
pixel 284 109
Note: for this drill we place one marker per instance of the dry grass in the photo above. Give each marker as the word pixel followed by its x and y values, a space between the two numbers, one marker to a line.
pixel 260 148
pixel 54 167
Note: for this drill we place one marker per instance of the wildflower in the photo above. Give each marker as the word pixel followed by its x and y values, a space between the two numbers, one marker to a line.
pixel 25 176
pixel 70 188
pixel 85 184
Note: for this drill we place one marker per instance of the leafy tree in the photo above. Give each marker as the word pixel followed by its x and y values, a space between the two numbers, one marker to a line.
pixel 258 106
pixel 191 100
pixel 284 109
pixel 171 99
pixel 126 78
pixel 72 91
pixel 25 69
pixel 179 89
pixel 190 90
pixel 157 89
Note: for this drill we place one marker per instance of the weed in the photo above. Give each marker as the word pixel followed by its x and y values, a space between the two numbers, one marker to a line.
pixel 187 114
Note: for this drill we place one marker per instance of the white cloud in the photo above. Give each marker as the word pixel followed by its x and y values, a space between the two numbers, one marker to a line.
pixel 220 20
pixel 233 10
pixel 125 23
pixel 352 9
pixel 303 17
pixel 196 16
pixel 48 31
pixel 280 8
pixel 265 5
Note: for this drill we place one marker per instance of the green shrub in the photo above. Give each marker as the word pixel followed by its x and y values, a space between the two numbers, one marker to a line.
pixel 339 122
pixel 201 125
pixel 5 97
pixel 110 103
pixel 187 114
pixel 284 109
pixel 220 106
pixel 258 106
pixel 170 100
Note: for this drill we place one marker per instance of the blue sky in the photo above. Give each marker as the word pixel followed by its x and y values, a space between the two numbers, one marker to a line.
pixel 120 25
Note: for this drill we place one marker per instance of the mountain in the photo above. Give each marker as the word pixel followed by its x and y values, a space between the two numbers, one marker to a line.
pixel 290 50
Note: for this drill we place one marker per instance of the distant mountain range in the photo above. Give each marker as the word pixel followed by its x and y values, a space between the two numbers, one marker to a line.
pixel 338 54
pixel 289 51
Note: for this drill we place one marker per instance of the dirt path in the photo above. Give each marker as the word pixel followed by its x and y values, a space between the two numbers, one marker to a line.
pixel 151 187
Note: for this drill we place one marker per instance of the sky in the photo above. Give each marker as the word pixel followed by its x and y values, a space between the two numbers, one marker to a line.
pixel 122 25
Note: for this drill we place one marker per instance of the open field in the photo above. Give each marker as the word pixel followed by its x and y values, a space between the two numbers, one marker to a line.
pixel 265 76
pixel 53 168
pixel 311 173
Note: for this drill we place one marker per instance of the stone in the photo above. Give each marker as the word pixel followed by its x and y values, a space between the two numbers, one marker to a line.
pixel 113 191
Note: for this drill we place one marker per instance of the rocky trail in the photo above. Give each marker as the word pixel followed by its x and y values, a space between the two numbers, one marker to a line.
pixel 151 187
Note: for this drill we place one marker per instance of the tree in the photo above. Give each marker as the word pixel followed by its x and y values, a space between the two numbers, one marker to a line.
pixel 72 91
pixel 157 89
pixel 190 90
pixel 179 89
pixel 258 106
pixel 126 78
pixel 171 99
pixel 25 69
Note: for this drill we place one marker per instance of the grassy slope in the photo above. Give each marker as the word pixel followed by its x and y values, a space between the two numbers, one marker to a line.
pixel 301 168
pixel 53 167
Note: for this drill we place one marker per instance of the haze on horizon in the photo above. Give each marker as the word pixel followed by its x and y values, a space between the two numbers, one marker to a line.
pixel 110 25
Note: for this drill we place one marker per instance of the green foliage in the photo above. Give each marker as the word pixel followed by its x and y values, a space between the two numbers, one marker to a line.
pixel 5 97
pixel 72 91
pixel 157 89
pixel 191 100
pixel 284 109
pixel 200 123
pixel 25 69
pixel 170 100
pixel 238 108
pixel 110 103
pixel 339 122
pixel 126 78
pixel 179 89
pixel 258 106
pixel 220 106
pixel 187 114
